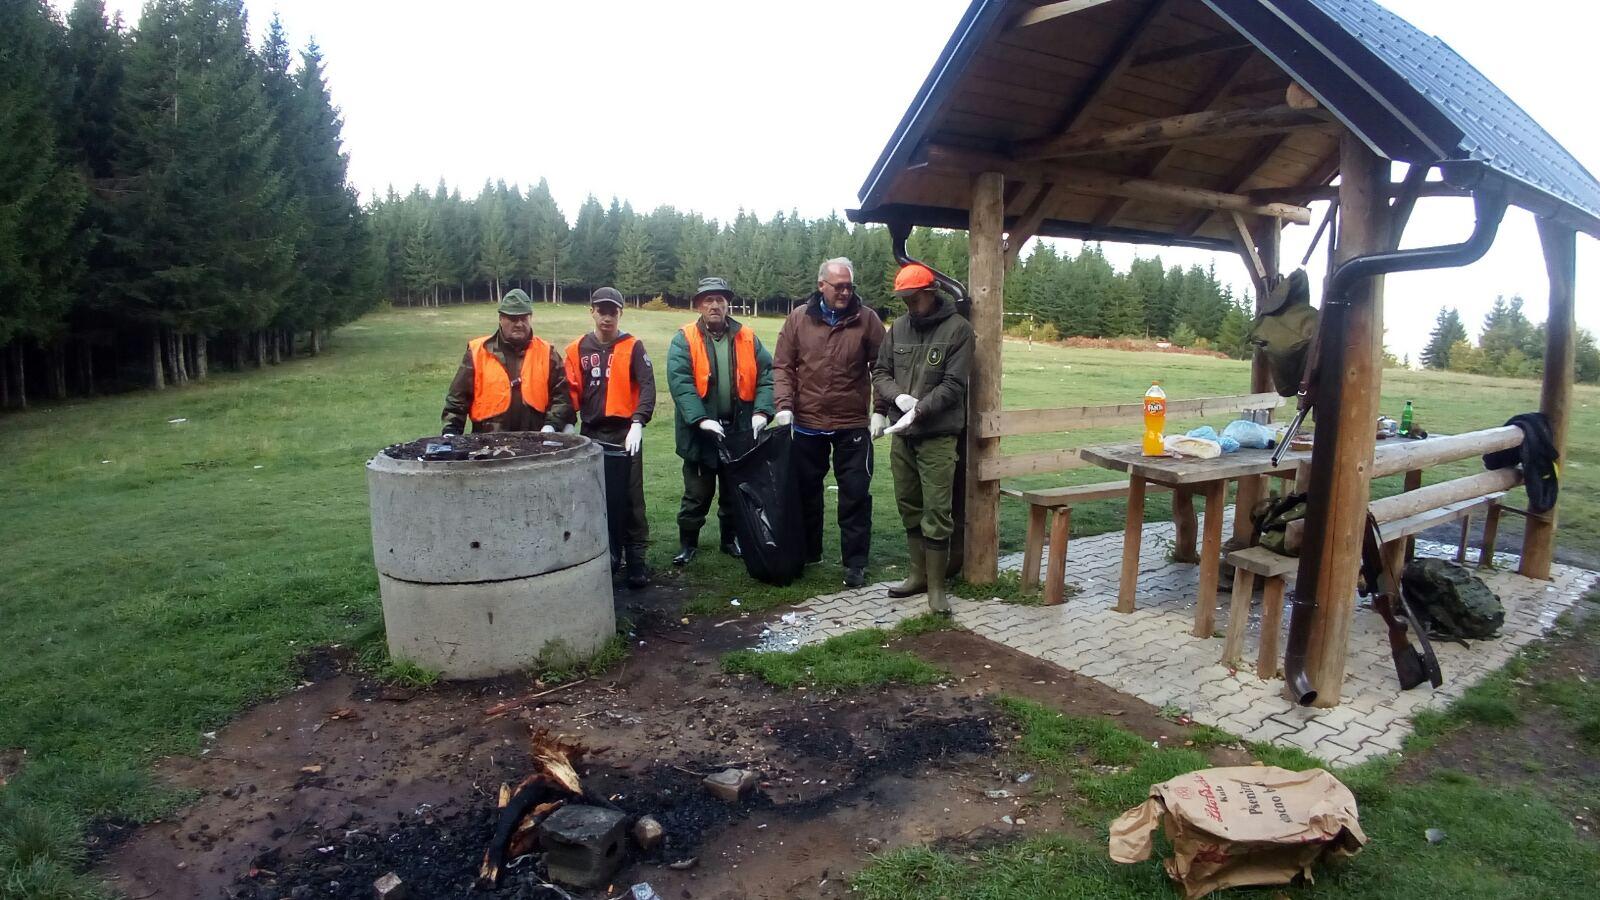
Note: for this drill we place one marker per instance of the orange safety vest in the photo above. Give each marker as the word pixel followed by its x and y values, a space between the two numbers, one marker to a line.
pixel 622 395
pixel 744 362
pixel 491 385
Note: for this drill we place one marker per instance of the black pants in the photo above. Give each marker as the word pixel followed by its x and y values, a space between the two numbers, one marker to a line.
pixel 852 469
pixel 700 484
pixel 626 520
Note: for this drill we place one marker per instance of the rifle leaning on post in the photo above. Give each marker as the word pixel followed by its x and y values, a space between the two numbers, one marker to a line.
pixel 1389 599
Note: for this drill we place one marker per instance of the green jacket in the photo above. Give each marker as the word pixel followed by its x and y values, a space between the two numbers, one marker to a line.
pixel 694 444
pixel 928 357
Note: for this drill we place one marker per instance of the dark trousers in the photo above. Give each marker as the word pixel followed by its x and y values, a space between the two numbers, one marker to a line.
pixel 628 525
pixel 700 484
pixel 852 469
pixel 626 520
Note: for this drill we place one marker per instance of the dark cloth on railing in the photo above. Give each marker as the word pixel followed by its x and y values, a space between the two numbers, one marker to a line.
pixel 1541 468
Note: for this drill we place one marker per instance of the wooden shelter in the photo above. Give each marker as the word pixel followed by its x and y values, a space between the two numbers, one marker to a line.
pixel 1210 124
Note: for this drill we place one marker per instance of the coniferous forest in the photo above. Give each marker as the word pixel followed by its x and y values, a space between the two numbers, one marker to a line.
pixel 440 247
pixel 171 198
pixel 174 198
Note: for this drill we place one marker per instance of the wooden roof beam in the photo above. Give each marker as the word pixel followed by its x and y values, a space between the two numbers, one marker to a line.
pixel 1309 193
pixel 1105 184
pixel 1053 11
pixel 1208 125
pixel 1218 44
pixel 1239 176
pixel 1028 224
pixel 1227 75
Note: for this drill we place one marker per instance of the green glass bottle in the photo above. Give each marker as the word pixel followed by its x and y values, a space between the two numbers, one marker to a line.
pixel 1405 419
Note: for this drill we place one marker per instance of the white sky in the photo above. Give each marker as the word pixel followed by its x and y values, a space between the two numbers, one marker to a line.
pixel 713 105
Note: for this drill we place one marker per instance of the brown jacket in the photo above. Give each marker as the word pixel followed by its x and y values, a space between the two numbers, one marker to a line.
pixel 458 400
pixel 822 372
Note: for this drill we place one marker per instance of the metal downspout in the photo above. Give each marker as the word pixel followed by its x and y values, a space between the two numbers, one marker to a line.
pixel 1490 205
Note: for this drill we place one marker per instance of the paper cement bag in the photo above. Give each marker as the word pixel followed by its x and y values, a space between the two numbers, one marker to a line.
pixel 1242 825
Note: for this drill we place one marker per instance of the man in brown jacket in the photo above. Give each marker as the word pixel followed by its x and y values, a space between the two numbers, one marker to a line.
pixel 509 380
pixel 822 380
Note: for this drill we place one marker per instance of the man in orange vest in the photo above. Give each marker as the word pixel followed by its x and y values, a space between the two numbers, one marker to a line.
pixel 720 378
pixel 509 380
pixel 614 390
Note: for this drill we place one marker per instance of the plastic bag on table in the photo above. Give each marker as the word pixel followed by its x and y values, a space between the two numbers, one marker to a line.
pixel 1198 448
pixel 1250 434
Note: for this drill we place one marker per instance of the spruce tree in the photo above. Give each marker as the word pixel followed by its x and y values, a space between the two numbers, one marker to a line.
pixel 41 194
pixel 591 252
pixel 636 265
pixel 497 259
pixel 1447 331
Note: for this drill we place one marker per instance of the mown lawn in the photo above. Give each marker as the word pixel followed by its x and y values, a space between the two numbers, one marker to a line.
pixel 1501 836
pixel 161 575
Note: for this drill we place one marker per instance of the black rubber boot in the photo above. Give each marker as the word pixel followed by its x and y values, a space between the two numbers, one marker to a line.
pixel 638 571
pixel 688 546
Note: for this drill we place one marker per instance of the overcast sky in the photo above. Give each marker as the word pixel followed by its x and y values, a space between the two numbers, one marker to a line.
pixel 714 105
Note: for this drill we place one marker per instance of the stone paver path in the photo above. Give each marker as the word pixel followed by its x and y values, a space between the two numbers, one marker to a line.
pixel 1150 654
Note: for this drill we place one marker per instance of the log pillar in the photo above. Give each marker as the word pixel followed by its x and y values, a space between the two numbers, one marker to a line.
pixel 1555 397
pixel 1347 394
pixel 986 283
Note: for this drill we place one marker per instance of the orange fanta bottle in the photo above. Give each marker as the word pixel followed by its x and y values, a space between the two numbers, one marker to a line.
pixel 1155 420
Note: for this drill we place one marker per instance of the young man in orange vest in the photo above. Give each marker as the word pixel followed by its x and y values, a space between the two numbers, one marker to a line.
pixel 614 391
pixel 509 380
pixel 721 382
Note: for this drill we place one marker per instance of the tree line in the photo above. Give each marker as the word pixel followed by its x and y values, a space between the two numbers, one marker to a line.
pixel 170 197
pixel 1509 345
pixel 439 246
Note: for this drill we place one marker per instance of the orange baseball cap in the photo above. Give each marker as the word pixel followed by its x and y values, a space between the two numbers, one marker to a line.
pixel 912 278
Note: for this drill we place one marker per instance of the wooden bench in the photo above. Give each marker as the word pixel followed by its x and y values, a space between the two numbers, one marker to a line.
pixel 1057 502
pixel 1400 518
pixel 1274 568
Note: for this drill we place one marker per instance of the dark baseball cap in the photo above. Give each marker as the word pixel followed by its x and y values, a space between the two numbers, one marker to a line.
pixel 605 295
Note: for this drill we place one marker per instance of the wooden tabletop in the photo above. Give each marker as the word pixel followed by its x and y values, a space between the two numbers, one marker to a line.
pixel 1176 470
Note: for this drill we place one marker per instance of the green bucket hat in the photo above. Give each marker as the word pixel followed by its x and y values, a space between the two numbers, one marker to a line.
pixel 712 285
pixel 516 303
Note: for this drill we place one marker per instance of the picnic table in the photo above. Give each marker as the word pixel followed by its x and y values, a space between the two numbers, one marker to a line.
pixel 1187 476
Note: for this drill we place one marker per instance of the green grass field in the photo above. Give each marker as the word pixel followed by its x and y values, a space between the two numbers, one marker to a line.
pixel 159 576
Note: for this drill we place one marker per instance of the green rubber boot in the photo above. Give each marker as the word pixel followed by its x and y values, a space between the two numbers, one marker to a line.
pixel 917 575
pixel 936 556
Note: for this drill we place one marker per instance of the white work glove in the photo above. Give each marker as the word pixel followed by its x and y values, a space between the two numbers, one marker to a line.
pixel 713 426
pixel 635 439
pixel 906 402
pixel 548 429
pixel 903 424
pixel 783 419
pixel 757 422
pixel 879 423
pixel 569 429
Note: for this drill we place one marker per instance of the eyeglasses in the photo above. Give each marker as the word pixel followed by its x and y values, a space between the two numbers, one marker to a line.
pixel 843 287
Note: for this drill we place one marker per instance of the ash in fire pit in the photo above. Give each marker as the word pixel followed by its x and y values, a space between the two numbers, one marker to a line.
pixel 490 445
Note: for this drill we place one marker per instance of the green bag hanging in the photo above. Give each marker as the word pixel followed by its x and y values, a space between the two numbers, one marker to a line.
pixel 1285 330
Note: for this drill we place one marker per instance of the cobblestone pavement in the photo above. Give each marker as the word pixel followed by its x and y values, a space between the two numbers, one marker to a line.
pixel 1150 653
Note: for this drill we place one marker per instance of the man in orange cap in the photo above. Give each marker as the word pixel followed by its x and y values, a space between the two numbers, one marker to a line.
pixel 921 376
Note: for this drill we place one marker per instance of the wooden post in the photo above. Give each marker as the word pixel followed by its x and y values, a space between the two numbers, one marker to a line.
pixel 1341 469
pixel 1251 490
pixel 986 277
pixel 1555 398
pixel 1267 248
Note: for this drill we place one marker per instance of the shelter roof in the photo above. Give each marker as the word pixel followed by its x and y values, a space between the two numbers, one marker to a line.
pixel 1181 122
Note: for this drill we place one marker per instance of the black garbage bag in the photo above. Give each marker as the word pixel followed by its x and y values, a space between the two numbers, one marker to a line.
pixel 766 505
pixel 618 467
